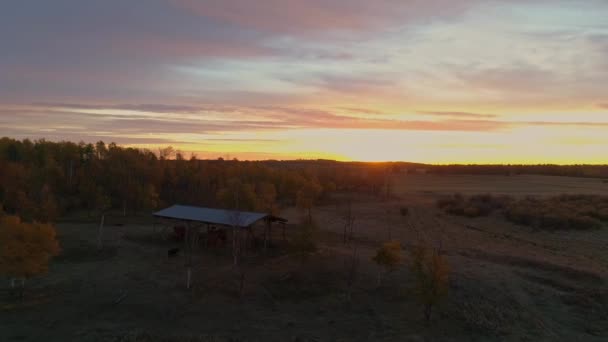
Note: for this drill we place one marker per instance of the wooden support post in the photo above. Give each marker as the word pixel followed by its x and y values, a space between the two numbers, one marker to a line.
pixel 251 237
pixel 270 234
pixel 188 277
pixel 207 237
pixel 266 229
pixel 234 245
pixel 100 233
pixel 188 254
pixel 284 237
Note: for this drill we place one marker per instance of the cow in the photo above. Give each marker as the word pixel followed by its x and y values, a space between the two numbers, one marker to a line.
pixel 216 238
pixel 172 252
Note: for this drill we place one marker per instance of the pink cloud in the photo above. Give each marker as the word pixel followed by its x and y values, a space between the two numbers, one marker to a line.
pixel 458 114
pixel 168 48
pixel 297 16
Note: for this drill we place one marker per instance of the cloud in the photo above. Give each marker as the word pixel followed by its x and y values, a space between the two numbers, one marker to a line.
pixel 346 84
pixel 458 114
pixel 356 110
pixel 295 17
pixel 144 107
pixel 168 119
pixel 88 138
pixel 525 79
pixel 266 118
pixel 563 123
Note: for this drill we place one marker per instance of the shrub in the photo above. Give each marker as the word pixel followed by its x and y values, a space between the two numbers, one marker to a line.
pixel 471 211
pixel 473 206
pixel 584 222
pixel 431 274
pixel 560 212
pixel 601 214
pixel 304 240
pixel 388 257
pixel 27 248
pixel 576 211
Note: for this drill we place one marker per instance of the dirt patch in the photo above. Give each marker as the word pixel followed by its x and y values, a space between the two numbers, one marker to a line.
pixel 590 308
pixel 547 281
pixel 85 252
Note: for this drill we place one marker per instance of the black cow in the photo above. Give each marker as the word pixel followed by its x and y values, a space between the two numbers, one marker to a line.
pixel 172 252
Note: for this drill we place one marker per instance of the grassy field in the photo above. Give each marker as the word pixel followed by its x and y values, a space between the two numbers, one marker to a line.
pixel 519 185
pixel 507 282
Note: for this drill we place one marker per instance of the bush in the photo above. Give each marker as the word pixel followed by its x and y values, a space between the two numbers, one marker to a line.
pixel 560 213
pixel 431 273
pixel 27 248
pixel 555 213
pixel 474 206
pixel 304 241
pixel 388 257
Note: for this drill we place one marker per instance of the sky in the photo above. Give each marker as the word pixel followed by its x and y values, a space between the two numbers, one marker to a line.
pixel 436 81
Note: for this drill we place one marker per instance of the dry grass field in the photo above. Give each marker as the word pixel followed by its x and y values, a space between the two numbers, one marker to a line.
pixel 507 282
pixel 518 185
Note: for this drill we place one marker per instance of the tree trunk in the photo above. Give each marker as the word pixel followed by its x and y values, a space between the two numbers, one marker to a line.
pixel 22 288
pixel 100 233
pixel 71 173
pixel 235 245
pixel 284 237
pixel 427 313
pixel 188 255
pixel 266 228
pixel 242 284
pixel 207 238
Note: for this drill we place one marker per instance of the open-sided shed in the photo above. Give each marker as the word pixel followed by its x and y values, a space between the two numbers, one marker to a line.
pixel 231 218
pixel 193 218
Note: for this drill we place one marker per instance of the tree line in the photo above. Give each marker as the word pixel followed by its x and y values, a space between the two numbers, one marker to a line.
pixel 581 170
pixel 42 180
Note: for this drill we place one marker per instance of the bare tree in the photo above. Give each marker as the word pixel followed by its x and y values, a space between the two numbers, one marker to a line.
pixel 349 220
pixel 388 185
pixel 389 224
pixel 236 222
pixel 102 202
pixel 352 271
pixel 191 239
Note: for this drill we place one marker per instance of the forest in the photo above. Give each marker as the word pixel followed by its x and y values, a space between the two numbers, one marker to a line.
pixel 42 180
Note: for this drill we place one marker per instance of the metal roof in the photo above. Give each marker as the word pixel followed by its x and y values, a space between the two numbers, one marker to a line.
pixel 210 215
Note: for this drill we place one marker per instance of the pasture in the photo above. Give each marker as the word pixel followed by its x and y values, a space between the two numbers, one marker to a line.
pixel 506 282
pixel 517 185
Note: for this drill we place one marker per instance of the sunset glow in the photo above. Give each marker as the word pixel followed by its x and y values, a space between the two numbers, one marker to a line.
pixel 443 81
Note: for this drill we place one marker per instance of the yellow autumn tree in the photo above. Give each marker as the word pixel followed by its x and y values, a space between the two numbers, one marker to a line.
pixel 267 198
pixel 388 257
pixel 431 272
pixel 27 248
pixel 306 196
pixel 304 240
